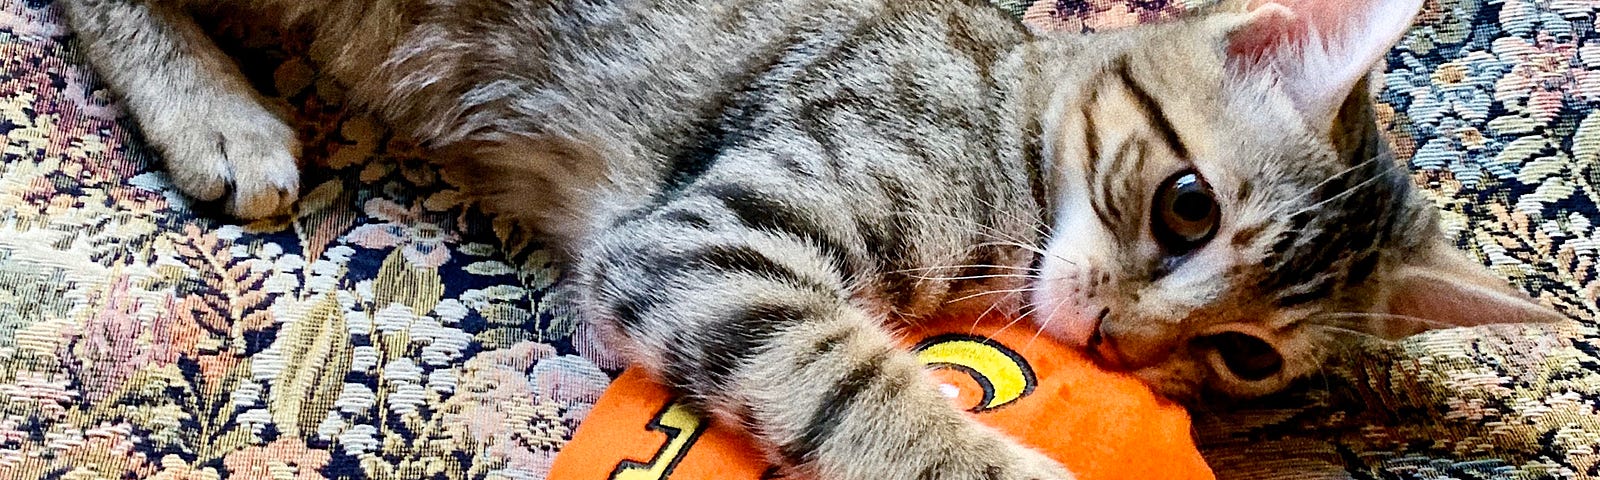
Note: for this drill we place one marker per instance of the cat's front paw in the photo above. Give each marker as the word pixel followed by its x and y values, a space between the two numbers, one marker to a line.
pixel 979 453
pixel 1016 462
pixel 233 150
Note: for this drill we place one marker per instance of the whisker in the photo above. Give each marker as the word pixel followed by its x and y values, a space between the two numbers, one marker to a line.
pixel 976 277
pixel 1043 229
pixel 1341 173
pixel 953 267
pixel 998 239
pixel 1051 317
pixel 993 233
pixel 1317 318
pixel 1021 246
pixel 1018 319
pixel 992 292
pixel 1347 331
pixel 979 319
pixel 1348 191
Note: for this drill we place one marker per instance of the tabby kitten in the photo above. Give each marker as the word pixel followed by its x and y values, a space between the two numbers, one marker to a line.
pixel 755 193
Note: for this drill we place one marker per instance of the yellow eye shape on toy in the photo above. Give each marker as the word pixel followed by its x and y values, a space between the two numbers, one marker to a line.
pixel 1001 375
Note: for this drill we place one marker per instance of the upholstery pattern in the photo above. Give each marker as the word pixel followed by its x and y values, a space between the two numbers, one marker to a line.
pixel 390 330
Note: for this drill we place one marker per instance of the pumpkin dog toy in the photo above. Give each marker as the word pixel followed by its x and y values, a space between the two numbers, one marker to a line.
pixel 1099 424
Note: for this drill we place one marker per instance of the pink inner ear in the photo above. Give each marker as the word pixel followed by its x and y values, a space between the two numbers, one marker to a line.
pixel 1318 50
pixel 1267 32
pixel 1291 24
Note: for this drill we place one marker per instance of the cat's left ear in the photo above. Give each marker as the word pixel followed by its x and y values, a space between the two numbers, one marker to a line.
pixel 1316 51
pixel 1443 287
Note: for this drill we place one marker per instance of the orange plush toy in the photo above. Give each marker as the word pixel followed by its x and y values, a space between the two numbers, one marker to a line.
pixel 1101 425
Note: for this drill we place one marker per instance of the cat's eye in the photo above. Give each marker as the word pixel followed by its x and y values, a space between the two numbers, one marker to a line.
pixel 1186 213
pixel 1246 357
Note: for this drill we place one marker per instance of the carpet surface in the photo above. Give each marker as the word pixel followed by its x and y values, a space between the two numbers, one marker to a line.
pixel 390 330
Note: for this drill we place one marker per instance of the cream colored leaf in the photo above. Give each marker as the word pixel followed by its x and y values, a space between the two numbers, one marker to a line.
pixel 399 282
pixel 316 355
pixel 1586 142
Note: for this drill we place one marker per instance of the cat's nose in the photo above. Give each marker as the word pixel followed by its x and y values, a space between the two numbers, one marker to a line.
pixel 1102 347
pixel 1104 352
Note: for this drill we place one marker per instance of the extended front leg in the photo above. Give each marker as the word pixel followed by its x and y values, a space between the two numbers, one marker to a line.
pixel 192 104
pixel 748 314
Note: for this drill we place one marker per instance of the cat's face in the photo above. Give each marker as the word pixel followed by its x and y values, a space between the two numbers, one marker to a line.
pixel 1225 213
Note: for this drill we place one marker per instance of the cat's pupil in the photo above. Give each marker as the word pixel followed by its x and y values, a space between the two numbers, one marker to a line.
pixel 1185 215
pixel 1247 357
pixel 1193 206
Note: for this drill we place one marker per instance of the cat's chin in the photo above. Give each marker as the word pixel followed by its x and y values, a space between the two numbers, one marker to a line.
pixel 1176 387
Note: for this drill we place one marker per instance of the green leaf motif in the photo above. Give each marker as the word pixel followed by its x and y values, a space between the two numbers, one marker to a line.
pixel 477 249
pixel 490 268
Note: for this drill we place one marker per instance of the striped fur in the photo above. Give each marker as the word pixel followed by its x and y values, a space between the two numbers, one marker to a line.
pixel 754 193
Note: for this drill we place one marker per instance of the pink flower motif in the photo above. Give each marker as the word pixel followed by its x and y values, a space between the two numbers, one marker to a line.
pixel 284 458
pixel 24 20
pixel 422 239
pixel 48 394
pixel 1096 15
pixel 496 409
pixel 108 349
pixel 488 392
pixel 174 468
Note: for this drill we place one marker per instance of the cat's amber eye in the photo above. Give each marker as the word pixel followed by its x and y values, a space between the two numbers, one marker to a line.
pixel 1186 214
pixel 1246 357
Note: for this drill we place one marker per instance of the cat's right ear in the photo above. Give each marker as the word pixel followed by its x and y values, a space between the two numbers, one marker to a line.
pixel 1315 51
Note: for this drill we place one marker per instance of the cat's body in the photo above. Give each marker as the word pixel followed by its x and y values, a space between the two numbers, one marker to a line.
pixel 755 192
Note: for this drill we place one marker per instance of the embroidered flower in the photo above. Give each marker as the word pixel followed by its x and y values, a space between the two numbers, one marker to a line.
pixel 282 459
pixel 422 239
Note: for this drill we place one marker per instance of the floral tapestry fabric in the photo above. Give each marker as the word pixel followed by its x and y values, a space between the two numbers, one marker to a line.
pixel 390 330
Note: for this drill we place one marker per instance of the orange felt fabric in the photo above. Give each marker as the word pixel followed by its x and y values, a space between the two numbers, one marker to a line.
pixel 1100 424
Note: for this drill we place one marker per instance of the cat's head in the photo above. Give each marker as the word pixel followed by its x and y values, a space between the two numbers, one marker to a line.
pixel 1227 207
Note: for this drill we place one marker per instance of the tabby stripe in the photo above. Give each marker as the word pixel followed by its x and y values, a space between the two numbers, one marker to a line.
pixel 1246 188
pixel 635 302
pixel 1362 268
pixel 1091 133
pixel 833 408
pixel 733 341
pixel 814 123
pixel 888 243
pixel 933 471
pixel 1152 110
pixel 1321 288
pixel 1118 164
pixel 630 309
pixel 1091 146
pixel 737 259
pixel 1247 235
pixel 708 353
pixel 687 218
pixel 762 213
pixel 1133 185
pixel 695 159
pixel 962 37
